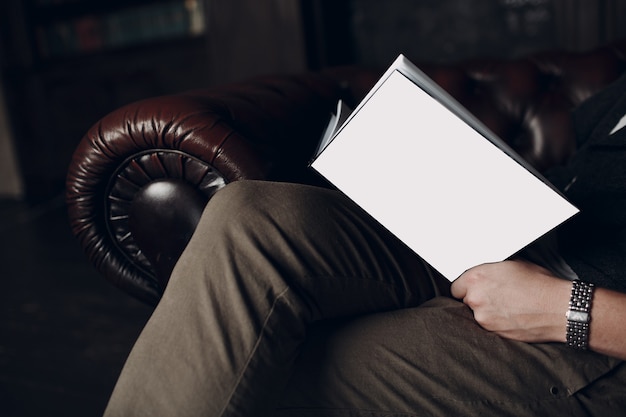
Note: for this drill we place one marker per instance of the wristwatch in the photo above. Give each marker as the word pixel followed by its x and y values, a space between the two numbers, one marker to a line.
pixel 579 314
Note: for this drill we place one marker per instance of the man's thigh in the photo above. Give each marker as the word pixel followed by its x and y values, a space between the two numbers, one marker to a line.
pixel 435 360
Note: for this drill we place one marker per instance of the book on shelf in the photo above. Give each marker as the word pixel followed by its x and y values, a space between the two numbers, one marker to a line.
pixel 129 26
pixel 435 176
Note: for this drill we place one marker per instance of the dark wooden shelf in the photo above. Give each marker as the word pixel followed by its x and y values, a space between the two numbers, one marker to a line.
pixel 43 12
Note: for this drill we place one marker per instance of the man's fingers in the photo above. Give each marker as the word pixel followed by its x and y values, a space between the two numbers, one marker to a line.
pixel 458 289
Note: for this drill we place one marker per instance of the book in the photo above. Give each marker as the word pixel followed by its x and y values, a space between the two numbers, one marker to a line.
pixel 435 176
pixel 121 27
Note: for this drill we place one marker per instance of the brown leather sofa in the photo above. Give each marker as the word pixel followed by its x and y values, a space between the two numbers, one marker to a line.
pixel 141 176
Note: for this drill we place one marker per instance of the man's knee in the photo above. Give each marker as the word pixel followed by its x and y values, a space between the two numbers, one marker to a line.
pixel 257 210
pixel 236 198
pixel 261 203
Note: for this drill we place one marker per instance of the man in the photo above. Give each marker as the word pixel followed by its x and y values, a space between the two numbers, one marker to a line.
pixel 242 328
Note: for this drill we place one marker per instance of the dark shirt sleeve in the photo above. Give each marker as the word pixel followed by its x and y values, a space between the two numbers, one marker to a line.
pixel 594 242
pixel 592 112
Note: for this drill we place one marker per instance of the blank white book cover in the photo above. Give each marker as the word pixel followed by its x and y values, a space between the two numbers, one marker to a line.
pixel 451 195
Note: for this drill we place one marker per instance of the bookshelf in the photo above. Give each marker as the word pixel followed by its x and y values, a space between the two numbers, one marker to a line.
pixel 71 27
pixel 67 63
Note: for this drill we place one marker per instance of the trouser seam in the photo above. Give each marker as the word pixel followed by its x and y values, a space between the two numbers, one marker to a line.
pixel 246 364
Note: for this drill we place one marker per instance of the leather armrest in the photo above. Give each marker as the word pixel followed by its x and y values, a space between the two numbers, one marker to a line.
pixel 141 176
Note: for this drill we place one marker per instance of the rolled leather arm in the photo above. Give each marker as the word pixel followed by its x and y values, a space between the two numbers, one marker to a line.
pixel 141 176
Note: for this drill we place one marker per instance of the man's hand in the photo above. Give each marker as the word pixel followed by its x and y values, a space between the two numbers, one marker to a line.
pixel 516 299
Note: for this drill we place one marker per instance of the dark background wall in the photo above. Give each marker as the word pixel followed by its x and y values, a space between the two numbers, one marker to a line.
pixel 450 30
pixel 374 32
pixel 53 95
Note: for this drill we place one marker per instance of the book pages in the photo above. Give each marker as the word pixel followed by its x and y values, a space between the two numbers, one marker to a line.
pixel 453 196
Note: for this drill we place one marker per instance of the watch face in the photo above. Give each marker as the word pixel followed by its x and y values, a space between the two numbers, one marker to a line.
pixel 579 316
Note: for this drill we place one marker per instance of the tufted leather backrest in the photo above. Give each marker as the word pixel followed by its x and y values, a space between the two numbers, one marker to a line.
pixel 526 101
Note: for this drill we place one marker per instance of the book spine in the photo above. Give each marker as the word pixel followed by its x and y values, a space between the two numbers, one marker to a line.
pixel 127 27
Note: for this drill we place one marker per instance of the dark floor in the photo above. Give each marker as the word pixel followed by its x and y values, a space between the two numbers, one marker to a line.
pixel 64 331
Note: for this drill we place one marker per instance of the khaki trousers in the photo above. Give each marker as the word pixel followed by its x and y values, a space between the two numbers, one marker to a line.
pixel 270 311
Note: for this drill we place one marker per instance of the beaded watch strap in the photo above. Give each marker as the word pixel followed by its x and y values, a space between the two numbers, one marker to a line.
pixel 578 315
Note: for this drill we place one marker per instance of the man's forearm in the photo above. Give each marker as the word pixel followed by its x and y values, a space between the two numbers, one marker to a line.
pixel 522 301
